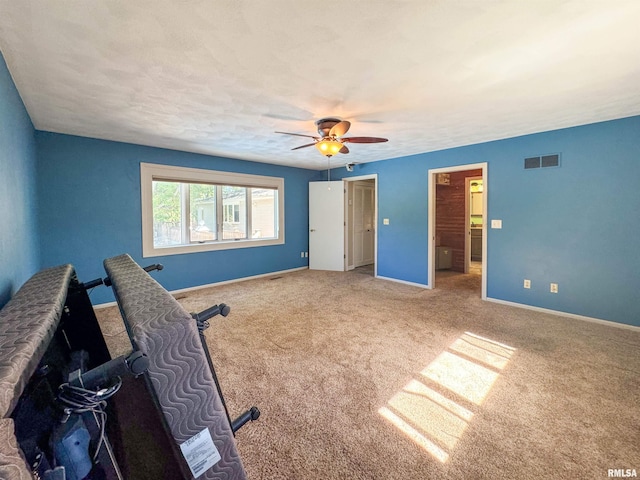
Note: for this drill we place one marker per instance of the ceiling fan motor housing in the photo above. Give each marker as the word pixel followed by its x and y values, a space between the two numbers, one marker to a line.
pixel 325 125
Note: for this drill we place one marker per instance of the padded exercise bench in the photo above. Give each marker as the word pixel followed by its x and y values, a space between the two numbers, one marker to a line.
pixel 47 318
pixel 179 378
pixel 166 413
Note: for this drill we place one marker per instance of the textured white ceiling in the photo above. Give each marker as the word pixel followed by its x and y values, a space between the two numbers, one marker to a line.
pixel 220 77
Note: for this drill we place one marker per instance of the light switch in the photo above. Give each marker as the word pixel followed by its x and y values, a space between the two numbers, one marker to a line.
pixel 496 223
pixel 385 221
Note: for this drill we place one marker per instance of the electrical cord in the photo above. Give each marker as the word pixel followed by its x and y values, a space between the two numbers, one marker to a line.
pixel 78 400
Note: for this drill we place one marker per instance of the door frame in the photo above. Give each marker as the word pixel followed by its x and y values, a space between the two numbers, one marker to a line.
pixel 348 233
pixel 431 250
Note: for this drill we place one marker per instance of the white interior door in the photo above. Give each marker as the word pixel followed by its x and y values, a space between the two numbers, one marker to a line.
pixel 363 224
pixel 326 226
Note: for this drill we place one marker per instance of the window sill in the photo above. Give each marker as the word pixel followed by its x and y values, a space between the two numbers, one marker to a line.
pixel 207 247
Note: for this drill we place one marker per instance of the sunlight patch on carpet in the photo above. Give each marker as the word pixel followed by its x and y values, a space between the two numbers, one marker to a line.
pixel 414 434
pixel 465 372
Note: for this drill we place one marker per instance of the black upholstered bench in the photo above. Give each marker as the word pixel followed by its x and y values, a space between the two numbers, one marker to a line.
pixel 179 377
pixel 51 311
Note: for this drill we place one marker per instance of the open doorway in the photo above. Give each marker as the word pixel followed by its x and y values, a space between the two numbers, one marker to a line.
pixel 450 228
pixel 360 224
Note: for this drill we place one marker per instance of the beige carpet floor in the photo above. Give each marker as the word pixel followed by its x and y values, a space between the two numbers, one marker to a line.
pixel 361 378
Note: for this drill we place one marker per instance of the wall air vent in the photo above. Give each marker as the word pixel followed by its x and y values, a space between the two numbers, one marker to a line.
pixel 532 162
pixel 551 160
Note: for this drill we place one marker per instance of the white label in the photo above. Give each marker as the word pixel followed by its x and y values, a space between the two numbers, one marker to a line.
pixel 200 452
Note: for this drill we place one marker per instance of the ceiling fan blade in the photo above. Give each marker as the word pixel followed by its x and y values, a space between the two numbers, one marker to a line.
pixel 299 135
pixel 344 149
pixel 365 139
pixel 340 128
pixel 304 146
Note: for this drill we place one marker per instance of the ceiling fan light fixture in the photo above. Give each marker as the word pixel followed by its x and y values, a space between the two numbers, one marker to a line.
pixel 329 146
pixel 330 140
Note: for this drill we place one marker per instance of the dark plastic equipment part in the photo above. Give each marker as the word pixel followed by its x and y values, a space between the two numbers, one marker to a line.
pixel 135 364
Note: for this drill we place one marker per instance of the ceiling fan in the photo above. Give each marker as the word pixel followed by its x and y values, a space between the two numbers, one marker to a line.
pixel 330 140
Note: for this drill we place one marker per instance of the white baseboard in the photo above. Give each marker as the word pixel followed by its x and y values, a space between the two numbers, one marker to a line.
pixel 105 305
pixel 215 284
pixel 608 323
pixel 413 284
pixel 420 285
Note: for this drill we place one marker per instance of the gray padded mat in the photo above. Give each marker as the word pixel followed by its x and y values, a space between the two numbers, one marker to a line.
pixel 27 324
pixel 179 373
pixel 12 464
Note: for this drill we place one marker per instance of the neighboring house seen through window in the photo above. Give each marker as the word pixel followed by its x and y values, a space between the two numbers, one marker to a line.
pixel 188 210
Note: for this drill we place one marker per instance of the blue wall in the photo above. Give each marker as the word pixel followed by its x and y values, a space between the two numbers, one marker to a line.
pixel 18 240
pixel 89 200
pixel 577 225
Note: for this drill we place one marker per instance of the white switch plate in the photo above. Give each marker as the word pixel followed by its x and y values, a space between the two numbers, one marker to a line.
pixel 385 221
pixel 496 223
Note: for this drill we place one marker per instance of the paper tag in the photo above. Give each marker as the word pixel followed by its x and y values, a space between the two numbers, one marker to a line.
pixel 200 452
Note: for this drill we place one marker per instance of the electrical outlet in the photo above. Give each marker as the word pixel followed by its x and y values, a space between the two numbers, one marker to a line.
pixel 527 283
pixel 554 288
pixel 306 254
pixel 301 254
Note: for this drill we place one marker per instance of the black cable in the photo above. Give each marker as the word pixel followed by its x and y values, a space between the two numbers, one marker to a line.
pixel 78 400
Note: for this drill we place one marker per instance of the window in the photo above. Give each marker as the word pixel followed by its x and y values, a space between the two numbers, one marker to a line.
pixel 232 213
pixel 188 210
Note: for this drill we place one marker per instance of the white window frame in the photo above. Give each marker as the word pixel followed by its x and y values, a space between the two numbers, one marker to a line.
pixel 150 172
